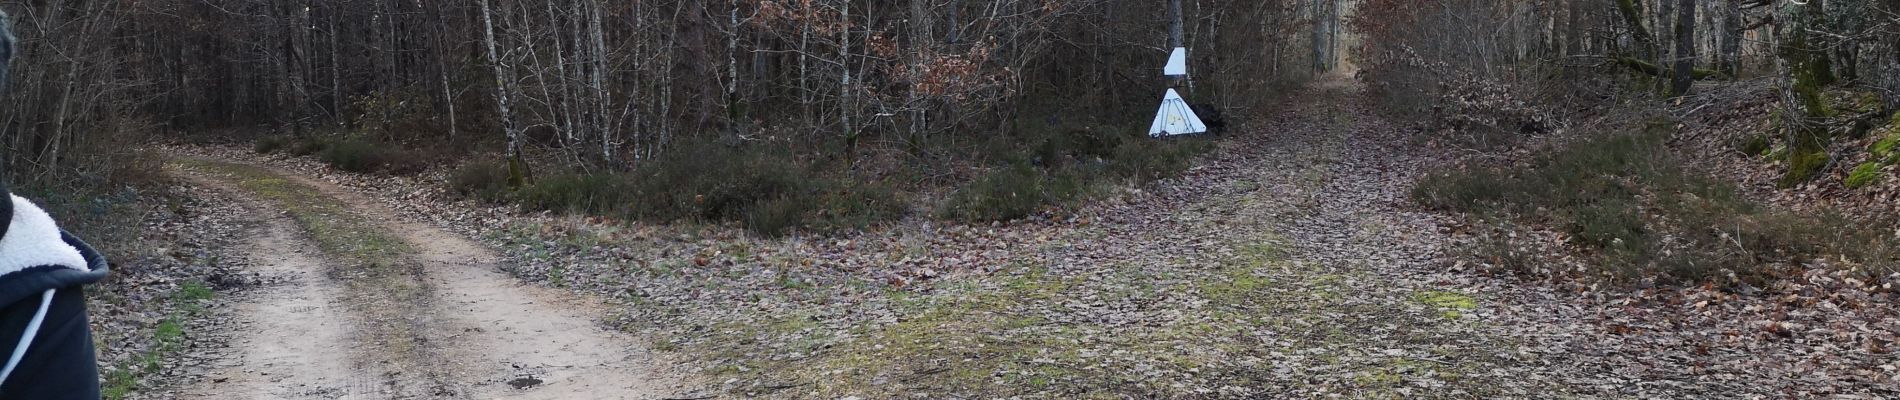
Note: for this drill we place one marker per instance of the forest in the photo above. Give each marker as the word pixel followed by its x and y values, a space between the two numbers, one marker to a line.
pixel 859 199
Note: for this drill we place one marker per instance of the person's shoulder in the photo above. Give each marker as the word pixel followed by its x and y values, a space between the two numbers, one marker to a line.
pixel 36 255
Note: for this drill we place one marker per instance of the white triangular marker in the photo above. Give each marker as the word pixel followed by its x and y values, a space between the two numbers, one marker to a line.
pixel 1175 118
pixel 1177 63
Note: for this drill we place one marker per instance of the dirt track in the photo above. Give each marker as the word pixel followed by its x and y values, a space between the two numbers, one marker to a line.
pixel 313 333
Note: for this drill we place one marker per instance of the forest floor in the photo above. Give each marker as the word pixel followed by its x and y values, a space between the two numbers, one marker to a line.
pixel 1288 263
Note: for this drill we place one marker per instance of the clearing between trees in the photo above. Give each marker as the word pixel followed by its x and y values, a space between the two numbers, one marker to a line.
pixel 1291 261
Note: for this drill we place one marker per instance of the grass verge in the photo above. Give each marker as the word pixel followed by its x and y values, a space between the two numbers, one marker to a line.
pixel 168 338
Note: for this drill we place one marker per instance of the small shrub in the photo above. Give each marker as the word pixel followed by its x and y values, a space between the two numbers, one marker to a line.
pixel 353 156
pixel 1150 160
pixel 271 144
pixel 1061 165
pixel 305 146
pixel 1016 192
pixel 1461 191
pixel 767 192
pixel 402 162
pixel 776 217
pixel 1612 225
pixel 362 156
pixel 485 180
pixel 1630 203
pixel 1863 175
pixel 853 206
pixel 600 194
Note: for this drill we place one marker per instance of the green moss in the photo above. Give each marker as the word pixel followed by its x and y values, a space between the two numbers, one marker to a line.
pixel 1451 304
pixel 1864 102
pixel 1887 149
pixel 1236 287
pixel 1239 280
pixel 1803 165
pixel 1865 174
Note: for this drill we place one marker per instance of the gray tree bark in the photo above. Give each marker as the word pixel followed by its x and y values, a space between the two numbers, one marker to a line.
pixel 1729 57
pixel 517 170
pixel 1685 48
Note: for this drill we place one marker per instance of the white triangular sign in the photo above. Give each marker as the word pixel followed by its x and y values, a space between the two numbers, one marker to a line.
pixel 1175 118
pixel 1177 63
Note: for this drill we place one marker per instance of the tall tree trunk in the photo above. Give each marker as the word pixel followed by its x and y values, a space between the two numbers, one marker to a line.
pixel 919 42
pixel 1729 58
pixel 602 96
pixel 1319 36
pixel 1685 48
pixel 735 109
pixel 845 93
pixel 1177 37
pixel 1176 25
pixel 1633 16
pixel 1573 27
pixel 517 169
pixel 1665 40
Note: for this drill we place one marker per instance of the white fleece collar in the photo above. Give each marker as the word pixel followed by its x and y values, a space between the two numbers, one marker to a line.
pixel 33 240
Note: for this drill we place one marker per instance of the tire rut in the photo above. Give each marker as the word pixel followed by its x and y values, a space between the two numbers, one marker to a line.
pixel 297 338
pixel 487 335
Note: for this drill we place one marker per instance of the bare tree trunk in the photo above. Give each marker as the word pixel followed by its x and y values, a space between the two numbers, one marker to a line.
pixel 1685 48
pixel 919 42
pixel 1177 38
pixel 336 74
pixel 1729 58
pixel 1332 34
pixel 517 169
pixel 845 107
pixel 804 74
pixel 1666 36
pixel 1573 28
pixel 735 109
pixel 1176 25
pixel 603 97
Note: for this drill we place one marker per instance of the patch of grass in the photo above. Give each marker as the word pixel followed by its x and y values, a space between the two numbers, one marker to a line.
pixel 168 338
pixel 1238 281
pixel 1452 305
pixel 953 343
pixel 1863 175
pixel 1638 213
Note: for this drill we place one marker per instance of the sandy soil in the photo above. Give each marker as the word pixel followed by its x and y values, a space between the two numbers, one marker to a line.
pixel 296 340
pixel 489 335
